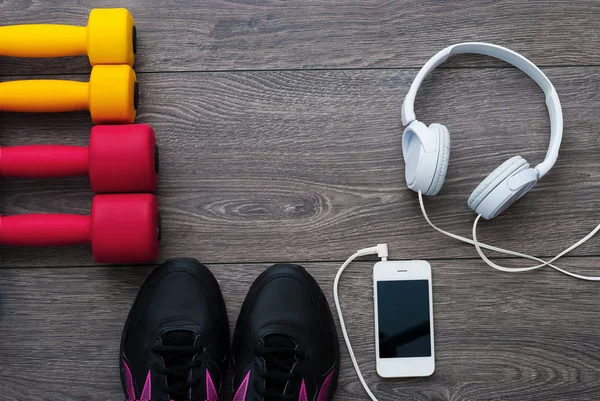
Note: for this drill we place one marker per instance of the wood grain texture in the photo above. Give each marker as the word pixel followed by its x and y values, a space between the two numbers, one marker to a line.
pixel 498 336
pixel 306 165
pixel 177 35
pixel 279 128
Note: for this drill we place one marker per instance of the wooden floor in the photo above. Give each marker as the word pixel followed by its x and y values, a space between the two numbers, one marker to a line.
pixel 280 136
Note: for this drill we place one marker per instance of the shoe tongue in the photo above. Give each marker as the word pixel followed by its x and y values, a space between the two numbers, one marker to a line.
pixel 279 341
pixel 179 338
pixel 288 357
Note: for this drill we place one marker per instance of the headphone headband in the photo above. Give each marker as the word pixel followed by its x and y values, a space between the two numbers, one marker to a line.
pixel 513 58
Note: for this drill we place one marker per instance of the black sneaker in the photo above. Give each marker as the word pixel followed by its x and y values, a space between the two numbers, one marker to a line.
pixel 285 345
pixel 176 339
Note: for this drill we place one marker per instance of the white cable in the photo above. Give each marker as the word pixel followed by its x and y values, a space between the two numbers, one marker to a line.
pixel 548 263
pixel 382 251
pixel 478 245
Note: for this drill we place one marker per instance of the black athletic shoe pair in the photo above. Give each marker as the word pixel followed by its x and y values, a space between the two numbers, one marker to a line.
pixel 175 343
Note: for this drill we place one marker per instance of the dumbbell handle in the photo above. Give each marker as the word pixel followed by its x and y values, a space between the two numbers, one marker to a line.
pixel 41 230
pixel 43 40
pixel 46 161
pixel 44 96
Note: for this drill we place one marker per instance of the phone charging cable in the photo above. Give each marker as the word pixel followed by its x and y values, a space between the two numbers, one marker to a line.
pixel 381 251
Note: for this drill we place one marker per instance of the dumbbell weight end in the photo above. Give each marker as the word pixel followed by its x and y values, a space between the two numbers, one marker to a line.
pixel 109 38
pixel 126 228
pixel 121 229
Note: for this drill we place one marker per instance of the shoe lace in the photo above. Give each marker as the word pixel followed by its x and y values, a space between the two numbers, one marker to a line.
pixel 178 361
pixel 278 370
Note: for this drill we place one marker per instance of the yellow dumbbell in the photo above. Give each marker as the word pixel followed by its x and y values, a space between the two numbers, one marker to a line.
pixel 109 38
pixel 111 95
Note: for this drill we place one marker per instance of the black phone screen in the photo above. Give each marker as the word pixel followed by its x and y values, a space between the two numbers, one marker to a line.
pixel 404 321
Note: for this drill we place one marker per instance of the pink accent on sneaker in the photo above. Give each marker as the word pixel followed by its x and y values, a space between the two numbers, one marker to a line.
pixel 324 393
pixel 211 391
pixel 129 390
pixel 240 394
pixel 303 396
pixel 147 390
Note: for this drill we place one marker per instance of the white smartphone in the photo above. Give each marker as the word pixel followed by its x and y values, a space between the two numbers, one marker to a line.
pixel 403 319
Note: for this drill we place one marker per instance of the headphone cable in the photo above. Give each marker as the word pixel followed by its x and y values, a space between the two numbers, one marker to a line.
pixel 479 245
pixel 382 251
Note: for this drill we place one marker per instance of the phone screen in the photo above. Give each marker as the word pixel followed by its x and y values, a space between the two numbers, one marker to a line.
pixel 404 321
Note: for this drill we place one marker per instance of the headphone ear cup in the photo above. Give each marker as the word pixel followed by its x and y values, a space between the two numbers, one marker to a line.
pixel 507 183
pixel 493 179
pixel 443 157
pixel 426 153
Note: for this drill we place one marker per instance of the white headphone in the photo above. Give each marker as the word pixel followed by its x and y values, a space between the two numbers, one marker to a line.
pixel 426 150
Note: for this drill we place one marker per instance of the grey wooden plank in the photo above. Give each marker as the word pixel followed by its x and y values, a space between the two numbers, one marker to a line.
pixel 264 166
pixel 177 35
pixel 498 336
